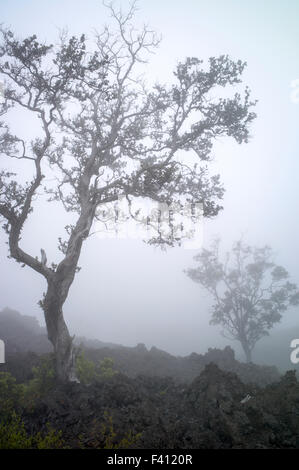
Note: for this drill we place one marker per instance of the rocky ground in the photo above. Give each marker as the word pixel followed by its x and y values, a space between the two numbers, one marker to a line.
pixel 157 413
pixel 157 363
pixel 151 399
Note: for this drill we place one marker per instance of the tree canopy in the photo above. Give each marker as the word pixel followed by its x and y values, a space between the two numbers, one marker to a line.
pixel 105 133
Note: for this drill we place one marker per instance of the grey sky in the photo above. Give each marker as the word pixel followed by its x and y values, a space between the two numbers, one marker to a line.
pixel 128 292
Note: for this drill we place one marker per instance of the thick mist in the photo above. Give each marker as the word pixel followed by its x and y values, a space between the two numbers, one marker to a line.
pixel 128 292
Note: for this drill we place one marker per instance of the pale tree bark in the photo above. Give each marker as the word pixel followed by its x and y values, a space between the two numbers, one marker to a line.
pixel 59 284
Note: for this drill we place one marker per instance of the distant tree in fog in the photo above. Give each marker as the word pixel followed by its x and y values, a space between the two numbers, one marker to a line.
pixel 249 290
pixel 103 133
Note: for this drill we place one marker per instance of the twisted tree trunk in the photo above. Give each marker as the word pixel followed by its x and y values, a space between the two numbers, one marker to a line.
pixel 58 334
pixel 59 283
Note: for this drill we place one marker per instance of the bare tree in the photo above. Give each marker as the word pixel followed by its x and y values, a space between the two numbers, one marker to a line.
pixel 104 133
pixel 249 290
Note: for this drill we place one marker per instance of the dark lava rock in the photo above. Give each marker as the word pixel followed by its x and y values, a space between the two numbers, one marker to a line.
pixel 208 413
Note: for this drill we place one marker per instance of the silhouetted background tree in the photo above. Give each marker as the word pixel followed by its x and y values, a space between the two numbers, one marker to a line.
pixel 249 290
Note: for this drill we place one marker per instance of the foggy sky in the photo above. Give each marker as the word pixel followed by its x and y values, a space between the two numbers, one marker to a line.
pixel 128 292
